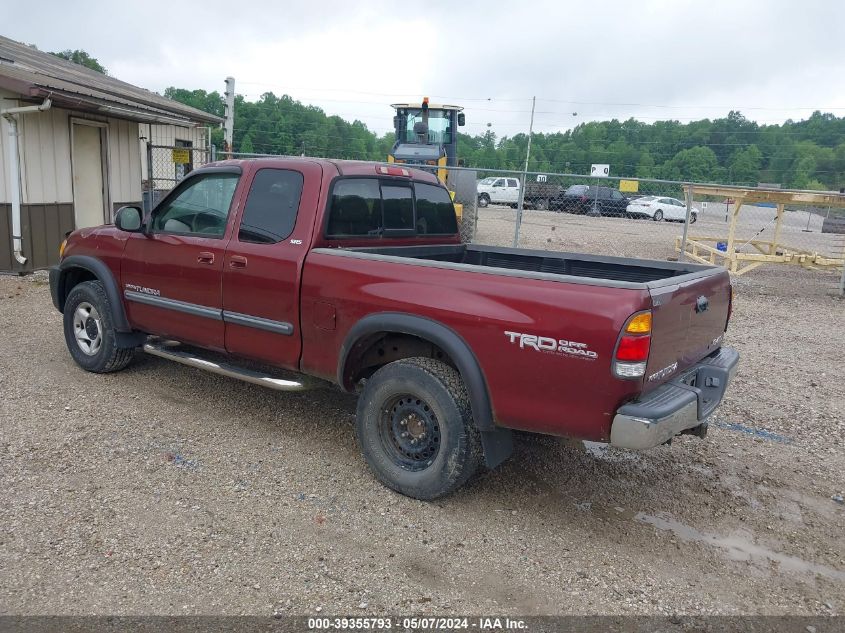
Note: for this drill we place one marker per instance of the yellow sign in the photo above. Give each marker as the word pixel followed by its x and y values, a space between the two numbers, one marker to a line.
pixel 181 156
pixel 629 186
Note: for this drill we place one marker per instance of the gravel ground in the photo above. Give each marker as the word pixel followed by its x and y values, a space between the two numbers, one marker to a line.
pixel 166 490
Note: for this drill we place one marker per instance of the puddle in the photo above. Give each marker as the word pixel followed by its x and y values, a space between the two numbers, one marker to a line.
pixel 748 430
pixel 737 548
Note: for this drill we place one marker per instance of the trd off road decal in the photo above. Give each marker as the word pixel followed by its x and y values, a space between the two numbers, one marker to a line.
pixel 551 345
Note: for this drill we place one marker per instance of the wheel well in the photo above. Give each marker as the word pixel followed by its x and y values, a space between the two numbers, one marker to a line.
pixel 379 349
pixel 71 278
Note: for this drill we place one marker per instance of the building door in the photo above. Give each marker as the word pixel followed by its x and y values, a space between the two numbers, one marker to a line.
pixel 90 182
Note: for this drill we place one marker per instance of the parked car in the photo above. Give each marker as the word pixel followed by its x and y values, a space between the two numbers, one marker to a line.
pixel 589 199
pixel 538 195
pixel 661 208
pixel 498 191
pixel 290 273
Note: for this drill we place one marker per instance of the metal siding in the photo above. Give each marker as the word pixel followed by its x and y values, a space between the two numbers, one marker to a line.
pixel 124 161
pixel 45 157
pixel 43 227
pixel 5 237
pixel 5 195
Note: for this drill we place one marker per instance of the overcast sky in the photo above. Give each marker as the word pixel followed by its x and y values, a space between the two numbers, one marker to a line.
pixel 650 59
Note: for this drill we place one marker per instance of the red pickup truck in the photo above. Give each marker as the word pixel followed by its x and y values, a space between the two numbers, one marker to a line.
pixel 290 272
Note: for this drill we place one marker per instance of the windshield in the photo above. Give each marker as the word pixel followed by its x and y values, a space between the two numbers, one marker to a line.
pixel 646 199
pixel 486 181
pixel 576 190
pixel 439 126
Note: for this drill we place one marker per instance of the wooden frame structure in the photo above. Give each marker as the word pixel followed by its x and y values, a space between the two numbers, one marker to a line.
pixel 702 248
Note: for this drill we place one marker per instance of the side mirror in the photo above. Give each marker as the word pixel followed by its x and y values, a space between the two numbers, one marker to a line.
pixel 462 120
pixel 129 219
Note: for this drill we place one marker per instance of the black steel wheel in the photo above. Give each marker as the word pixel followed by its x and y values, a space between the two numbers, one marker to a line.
pixel 410 432
pixel 415 428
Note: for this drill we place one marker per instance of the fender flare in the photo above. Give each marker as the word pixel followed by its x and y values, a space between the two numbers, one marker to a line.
pixel 104 275
pixel 497 441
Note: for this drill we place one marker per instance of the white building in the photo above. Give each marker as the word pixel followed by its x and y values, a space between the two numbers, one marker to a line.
pixel 69 150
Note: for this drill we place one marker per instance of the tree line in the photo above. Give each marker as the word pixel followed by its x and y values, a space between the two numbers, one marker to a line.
pixel 805 154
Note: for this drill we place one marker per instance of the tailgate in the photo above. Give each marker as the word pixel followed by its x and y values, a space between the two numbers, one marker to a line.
pixel 688 322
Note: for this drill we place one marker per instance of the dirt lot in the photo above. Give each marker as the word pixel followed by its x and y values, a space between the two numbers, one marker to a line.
pixel 166 490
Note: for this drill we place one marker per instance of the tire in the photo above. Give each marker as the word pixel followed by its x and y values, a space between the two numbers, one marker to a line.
pixel 483 200
pixel 658 216
pixel 89 331
pixel 693 217
pixel 418 400
pixel 542 205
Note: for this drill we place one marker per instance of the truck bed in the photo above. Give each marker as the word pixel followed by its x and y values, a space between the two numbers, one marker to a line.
pixel 555 266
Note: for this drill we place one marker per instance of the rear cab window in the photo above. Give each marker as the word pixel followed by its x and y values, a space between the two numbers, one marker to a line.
pixel 370 207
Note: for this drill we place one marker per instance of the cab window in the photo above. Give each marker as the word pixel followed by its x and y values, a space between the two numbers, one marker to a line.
pixel 200 207
pixel 364 207
pixel 271 206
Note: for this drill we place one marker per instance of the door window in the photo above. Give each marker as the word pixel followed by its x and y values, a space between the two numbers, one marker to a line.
pixel 271 206
pixel 616 195
pixel 499 183
pixel 512 182
pixel 199 207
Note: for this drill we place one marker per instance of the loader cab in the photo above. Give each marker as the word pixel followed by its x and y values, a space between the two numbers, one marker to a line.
pixel 426 135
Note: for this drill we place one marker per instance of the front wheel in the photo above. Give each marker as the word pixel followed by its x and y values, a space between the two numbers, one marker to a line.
pixel 658 215
pixel 542 204
pixel 483 200
pixel 89 331
pixel 693 217
pixel 415 428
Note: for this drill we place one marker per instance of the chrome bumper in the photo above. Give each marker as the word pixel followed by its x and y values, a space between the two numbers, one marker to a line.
pixel 677 406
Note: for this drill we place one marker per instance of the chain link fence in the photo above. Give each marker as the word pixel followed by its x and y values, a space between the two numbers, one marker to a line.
pixel 655 219
pixel 166 166
pixel 626 217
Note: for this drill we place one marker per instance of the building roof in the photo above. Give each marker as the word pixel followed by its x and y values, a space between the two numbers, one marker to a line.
pixel 37 75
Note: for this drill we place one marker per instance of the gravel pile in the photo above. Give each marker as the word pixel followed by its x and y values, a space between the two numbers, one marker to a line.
pixel 167 490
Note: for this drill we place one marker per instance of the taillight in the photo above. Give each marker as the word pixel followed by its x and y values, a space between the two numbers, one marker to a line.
pixel 631 355
pixel 584 198
pixel 730 306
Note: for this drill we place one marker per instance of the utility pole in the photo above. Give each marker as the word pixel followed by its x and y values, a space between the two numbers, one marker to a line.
pixel 521 202
pixel 229 123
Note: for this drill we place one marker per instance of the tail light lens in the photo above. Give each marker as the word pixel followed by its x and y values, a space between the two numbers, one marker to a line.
pixel 633 347
pixel 583 198
pixel 730 306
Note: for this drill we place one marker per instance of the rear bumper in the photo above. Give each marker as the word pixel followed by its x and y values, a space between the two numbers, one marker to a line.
pixel 677 406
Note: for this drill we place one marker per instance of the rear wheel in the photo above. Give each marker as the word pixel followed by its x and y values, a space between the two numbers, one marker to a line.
pixel 658 215
pixel 693 217
pixel 415 428
pixel 483 200
pixel 89 331
pixel 542 204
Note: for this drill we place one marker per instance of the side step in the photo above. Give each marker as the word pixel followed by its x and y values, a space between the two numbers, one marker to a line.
pixel 173 352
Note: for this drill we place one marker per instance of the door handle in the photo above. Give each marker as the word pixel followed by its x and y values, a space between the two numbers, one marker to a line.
pixel 237 261
pixel 205 257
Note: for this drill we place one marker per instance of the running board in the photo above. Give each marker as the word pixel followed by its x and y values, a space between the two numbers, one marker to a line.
pixel 172 352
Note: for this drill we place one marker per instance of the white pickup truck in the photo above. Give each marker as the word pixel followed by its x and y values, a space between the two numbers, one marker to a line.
pixel 505 190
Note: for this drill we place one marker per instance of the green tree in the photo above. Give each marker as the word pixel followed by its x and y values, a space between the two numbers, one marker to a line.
pixel 246 145
pixel 82 58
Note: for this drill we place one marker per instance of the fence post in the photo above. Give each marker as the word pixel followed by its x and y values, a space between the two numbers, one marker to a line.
pixel 842 278
pixel 521 200
pixel 682 255
pixel 150 178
